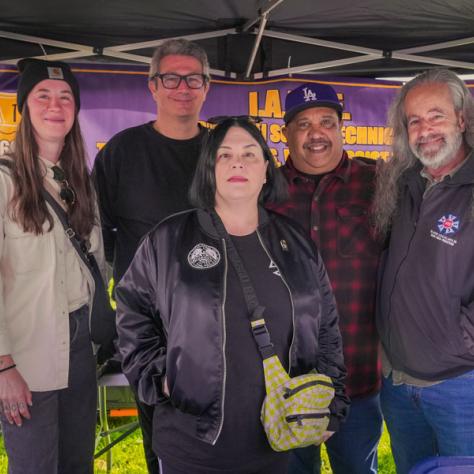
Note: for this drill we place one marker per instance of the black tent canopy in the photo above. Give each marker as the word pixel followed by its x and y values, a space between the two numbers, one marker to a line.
pixel 249 39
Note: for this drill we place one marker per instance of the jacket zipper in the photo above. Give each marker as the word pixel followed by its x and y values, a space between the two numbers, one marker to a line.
pixel 221 424
pixel 396 277
pixel 290 392
pixel 291 299
pixel 299 418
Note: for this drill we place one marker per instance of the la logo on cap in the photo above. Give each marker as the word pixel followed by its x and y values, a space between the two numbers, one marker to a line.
pixel 55 73
pixel 309 95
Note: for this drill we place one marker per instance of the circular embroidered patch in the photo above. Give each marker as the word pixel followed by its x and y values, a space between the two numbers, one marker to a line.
pixel 203 256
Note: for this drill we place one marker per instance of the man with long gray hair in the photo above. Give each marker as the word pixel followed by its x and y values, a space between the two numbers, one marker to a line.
pixel 424 206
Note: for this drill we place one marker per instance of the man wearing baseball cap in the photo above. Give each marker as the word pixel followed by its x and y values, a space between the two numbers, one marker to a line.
pixel 330 196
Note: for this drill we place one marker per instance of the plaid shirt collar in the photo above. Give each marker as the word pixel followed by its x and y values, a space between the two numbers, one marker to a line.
pixel 342 170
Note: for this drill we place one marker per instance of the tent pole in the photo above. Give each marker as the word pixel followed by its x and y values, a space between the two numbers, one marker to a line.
pixel 258 39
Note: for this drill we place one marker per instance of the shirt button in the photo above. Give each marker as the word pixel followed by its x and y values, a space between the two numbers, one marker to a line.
pixel 315 228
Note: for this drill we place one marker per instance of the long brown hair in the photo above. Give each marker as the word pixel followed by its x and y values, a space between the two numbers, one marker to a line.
pixel 28 207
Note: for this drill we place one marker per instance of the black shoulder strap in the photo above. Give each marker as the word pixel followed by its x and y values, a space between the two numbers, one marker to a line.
pixel 99 332
pixel 255 310
pixel 102 323
pixel 79 244
pixel 7 163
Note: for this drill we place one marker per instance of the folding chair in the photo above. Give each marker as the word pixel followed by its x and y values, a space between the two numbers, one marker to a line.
pixel 106 381
pixel 445 465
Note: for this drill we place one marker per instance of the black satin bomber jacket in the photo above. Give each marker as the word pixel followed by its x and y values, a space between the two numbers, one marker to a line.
pixel 171 318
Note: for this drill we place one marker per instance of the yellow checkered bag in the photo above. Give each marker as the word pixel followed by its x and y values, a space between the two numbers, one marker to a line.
pixel 295 412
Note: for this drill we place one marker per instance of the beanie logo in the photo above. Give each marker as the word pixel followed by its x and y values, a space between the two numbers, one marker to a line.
pixel 55 73
pixel 309 95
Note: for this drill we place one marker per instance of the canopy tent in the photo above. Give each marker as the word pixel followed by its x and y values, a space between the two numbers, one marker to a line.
pixel 250 38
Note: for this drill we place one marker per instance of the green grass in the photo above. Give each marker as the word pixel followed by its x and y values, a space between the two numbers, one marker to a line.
pixel 3 457
pixel 127 456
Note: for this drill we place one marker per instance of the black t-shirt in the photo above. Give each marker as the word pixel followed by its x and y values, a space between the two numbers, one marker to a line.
pixel 242 446
pixel 141 177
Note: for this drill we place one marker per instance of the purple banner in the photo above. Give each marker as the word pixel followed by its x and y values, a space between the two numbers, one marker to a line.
pixel 114 98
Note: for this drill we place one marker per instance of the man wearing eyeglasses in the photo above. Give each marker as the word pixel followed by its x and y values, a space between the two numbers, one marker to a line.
pixel 143 173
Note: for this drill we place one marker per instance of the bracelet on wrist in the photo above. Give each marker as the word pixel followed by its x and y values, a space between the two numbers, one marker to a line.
pixel 7 368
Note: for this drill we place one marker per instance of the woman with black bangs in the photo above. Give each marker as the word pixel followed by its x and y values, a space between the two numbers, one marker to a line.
pixel 183 324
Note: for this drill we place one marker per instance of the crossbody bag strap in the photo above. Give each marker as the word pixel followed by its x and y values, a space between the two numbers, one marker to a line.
pixel 102 322
pixel 77 242
pixel 255 310
pixel 7 163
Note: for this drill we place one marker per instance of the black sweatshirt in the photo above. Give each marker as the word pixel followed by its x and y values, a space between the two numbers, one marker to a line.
pixel 141 177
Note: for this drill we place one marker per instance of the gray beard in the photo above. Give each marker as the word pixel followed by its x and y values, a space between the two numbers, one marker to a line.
pixel 443 156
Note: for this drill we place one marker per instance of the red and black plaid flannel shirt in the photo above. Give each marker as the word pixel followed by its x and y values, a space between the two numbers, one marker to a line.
pixel 334 211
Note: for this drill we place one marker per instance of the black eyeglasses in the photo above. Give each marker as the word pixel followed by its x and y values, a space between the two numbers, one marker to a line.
pixel 66 194
pixel 218 119
pixel 172 81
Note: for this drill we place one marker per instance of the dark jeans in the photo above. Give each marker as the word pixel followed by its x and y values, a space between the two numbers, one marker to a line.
pixel 59 438
pixel 352 449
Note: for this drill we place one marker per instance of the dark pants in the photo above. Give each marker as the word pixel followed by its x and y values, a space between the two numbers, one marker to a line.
pixel 352 449
pixel 145 417
pixel 279 467
pixel 59 438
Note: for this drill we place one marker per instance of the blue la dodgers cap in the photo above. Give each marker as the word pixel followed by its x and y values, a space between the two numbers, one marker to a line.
pixel 310 95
